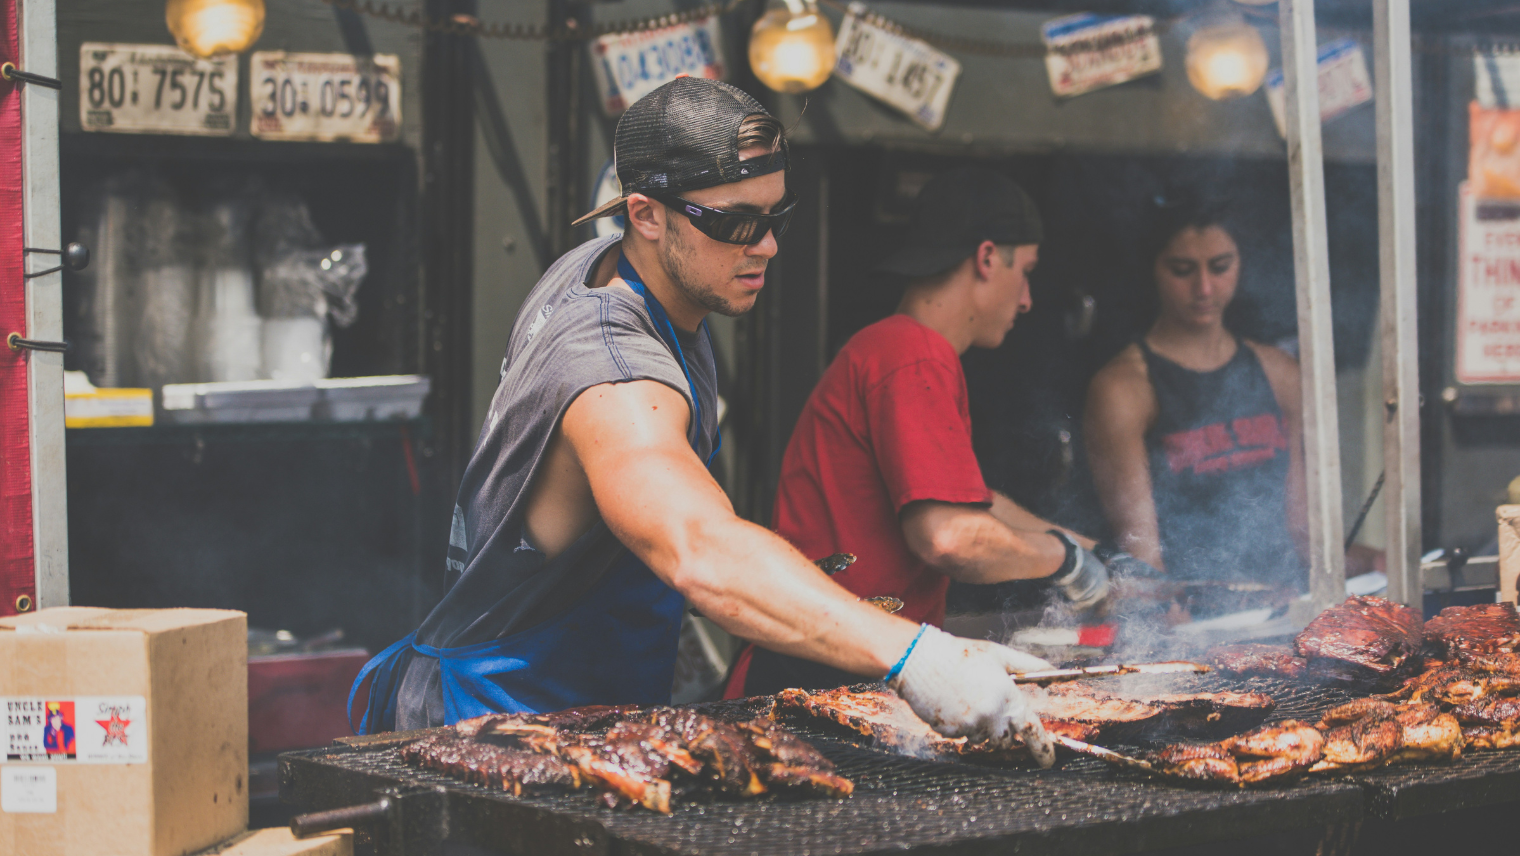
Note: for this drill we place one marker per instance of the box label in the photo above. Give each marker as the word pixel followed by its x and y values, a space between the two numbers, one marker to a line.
pixel 28 790
pixel 82 729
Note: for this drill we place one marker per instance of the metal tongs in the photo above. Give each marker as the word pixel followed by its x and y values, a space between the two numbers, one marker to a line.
pixel 1108 755
pixel 1051 676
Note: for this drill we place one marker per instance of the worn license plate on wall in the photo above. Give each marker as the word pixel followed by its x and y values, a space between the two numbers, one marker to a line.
pixel 629 66
pixel 905 72
pixel 1343 83
pixel 325 97
pixel 1087 52
pixel 155 89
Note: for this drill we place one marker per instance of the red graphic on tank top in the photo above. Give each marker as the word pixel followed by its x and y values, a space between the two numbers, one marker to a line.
pixel 1225 447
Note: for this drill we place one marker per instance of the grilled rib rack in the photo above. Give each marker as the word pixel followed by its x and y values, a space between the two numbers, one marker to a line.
pixel 900 804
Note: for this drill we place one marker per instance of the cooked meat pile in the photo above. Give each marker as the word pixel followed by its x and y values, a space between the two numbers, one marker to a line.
pixel 634 756
pixel 1253 658
pixel 1269 754
pixel 891 724
pixel 1364 639
pixel 1468 633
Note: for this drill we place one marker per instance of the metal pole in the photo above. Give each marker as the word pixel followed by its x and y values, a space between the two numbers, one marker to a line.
pixel 1311 266
pixel 38 37
pixel 564 197
pixel 1396 265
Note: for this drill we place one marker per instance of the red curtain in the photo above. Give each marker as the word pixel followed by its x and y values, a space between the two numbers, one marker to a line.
pixel 17 569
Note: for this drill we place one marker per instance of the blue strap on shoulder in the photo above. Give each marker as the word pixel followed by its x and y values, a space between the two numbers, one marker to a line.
pixel 380 710
pixel 667 333
pixel 897 669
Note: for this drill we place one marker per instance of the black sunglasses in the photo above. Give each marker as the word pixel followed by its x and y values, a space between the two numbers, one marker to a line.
pixel 732 227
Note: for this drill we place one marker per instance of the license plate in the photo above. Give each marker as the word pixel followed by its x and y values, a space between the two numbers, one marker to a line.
pixel 155 89
pixel 629 66
pixel 904 72
pixel 1086 52
pixel 325 97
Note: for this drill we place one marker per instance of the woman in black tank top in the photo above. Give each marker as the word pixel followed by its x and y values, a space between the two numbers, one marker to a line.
pixel 1194 433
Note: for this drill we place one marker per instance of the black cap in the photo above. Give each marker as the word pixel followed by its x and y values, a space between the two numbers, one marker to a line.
pixel 954 213
pixel 684 136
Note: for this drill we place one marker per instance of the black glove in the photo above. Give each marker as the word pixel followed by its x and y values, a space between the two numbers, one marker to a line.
pixel 1082 577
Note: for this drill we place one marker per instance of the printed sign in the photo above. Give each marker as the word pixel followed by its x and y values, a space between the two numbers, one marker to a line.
pixel 1496 79
pixel 904 72
pixel 325 97
pixel 28 790
pixel 1343 83
pixel 83 729
pixel 1488 290
pixel 156 89
pixel 1086 52
pixel 629 66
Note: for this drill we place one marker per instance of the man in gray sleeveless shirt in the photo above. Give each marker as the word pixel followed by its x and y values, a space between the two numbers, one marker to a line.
pixel 587 518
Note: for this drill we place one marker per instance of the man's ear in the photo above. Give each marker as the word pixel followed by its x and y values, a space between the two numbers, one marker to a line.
pixel 987 259
pixel 645 216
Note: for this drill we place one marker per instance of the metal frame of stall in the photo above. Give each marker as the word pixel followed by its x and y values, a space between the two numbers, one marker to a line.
pixel 1311 261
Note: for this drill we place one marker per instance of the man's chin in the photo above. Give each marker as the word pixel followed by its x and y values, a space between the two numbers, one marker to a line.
pixel 736 306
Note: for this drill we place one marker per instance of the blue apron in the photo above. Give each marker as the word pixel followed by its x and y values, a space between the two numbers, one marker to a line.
pixel 617 644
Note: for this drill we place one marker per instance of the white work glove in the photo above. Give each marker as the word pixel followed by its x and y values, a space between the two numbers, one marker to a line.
pixel 1083 578
pixel 962 688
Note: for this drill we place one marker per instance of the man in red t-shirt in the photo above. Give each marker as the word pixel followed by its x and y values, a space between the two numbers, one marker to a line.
pixel 880 464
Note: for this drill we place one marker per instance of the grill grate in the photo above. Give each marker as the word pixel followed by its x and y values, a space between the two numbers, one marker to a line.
pixel 906 804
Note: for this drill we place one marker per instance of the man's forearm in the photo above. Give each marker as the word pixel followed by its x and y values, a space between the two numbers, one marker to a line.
pixel 969 544
pixel 756 586
pixel 1017 517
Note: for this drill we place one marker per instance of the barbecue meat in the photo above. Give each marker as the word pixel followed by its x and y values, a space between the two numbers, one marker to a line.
pixel 731 763
pixel 793 762
pixel 1253 658
pixel 1497 711
pixel 1463 632
pixel 891 723
pixel 1456 685
pixel 1110 714
pixel 1361 639
pixel 489 764
pixel 1480 737
pixel 1429 734
pixel 1360 735
pixel 1208 763
pixel 1276 753
pixel 1192 713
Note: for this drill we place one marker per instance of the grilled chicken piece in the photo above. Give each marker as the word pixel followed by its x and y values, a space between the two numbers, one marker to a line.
pixel 1496 711
pixel 1361 639
pixel 1276 753
pixel 793 762
pixel 1193 713
pixel 489 764
pixel 1198 762
pixel 1461 632
pixel 891 723
pixel 1359 735
pixel 1429 734
pixel 1456 685
pixel 1481 737
pixel 1110 714
pixel 1253 658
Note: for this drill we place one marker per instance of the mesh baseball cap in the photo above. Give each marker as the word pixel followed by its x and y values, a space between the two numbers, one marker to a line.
pixel 954 213
pixel 684 136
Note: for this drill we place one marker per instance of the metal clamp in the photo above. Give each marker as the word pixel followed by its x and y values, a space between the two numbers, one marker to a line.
pixel 400 822
pixel 17 343
pixel 75 256
pixel 9 71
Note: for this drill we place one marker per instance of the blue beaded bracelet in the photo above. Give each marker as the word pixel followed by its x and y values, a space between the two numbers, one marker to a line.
pixel 897 669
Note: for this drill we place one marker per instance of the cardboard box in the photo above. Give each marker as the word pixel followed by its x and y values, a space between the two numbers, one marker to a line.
pixel 280 842
pixel 125 731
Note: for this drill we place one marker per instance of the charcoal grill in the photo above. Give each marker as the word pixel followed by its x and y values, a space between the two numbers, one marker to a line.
pixel 900 804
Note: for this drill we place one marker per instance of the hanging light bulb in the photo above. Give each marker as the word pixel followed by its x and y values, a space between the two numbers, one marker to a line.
pixel 210 27
pixel 1226 58
pixel 791 49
